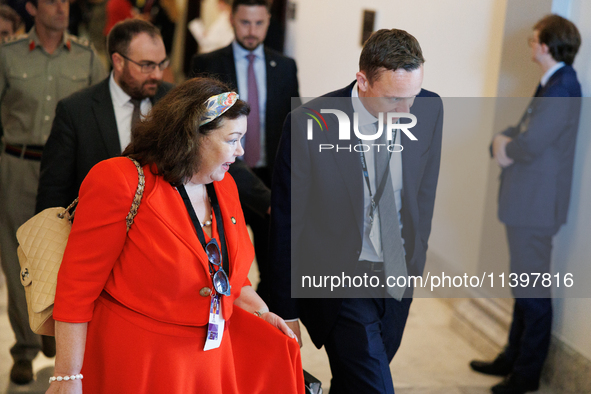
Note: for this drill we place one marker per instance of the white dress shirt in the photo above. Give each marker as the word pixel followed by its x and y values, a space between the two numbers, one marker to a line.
pixel 124 110
pixel 369 250
pixel 260 71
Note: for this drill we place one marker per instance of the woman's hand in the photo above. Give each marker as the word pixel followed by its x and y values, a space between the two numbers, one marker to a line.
pixel 279 323
pixel 70 387
pixel 250 301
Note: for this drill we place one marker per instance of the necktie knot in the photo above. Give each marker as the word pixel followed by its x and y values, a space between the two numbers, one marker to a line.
pixel 251 57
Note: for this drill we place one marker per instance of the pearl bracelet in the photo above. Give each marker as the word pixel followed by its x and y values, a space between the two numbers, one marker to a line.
pixel 65 378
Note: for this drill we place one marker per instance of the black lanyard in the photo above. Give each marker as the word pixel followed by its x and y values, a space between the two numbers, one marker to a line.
pixel 218 218
pixel 375 199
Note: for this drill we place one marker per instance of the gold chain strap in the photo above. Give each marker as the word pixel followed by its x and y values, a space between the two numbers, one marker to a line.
pixel 138 194
pixel 71 209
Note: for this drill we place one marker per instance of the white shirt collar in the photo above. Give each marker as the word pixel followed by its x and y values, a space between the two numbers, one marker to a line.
pixel 240 52
pixel 365 117
pixel 550 72
pixel 118 95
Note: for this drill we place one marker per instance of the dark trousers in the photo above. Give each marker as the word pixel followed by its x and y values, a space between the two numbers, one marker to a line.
pixel 260 229
pixel 18 187
pixel 531 328
pixel 364 340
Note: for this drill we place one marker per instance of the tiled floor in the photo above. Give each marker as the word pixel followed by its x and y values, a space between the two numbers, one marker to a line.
pixel 42 365
pixel 432 359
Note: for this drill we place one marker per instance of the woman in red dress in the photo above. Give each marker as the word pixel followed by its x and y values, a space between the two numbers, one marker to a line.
pixel 136 311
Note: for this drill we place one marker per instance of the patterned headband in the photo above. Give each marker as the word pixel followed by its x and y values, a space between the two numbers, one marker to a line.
pixel 215 106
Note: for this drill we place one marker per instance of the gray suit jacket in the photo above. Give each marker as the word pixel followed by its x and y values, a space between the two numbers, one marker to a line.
pixel 535 189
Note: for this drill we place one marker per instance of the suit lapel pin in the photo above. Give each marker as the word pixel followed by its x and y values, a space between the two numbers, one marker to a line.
pixel 273 63
pixel 233 220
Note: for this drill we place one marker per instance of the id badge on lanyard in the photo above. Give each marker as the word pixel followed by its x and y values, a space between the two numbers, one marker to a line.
pixel 215 328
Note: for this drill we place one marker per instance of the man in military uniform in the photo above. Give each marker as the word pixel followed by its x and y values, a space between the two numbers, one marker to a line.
pixel 36 71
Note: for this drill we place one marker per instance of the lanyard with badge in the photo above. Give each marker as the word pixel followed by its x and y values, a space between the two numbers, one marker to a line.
pixel 221 283
pixel 374 232
pixel 375 199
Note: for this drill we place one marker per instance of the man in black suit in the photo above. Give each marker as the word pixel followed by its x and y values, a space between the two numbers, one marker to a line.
pixel 332 203
pixel 95 123
pixel 537 158
pixel 268 81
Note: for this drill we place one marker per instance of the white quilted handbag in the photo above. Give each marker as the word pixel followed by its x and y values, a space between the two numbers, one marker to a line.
pixel 42 241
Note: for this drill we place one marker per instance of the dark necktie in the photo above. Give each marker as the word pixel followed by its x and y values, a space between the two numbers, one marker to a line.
pixel 394 260
pixel 252 148
pixel 135 116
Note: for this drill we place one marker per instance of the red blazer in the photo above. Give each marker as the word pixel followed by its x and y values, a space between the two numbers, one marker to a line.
pixel 158 268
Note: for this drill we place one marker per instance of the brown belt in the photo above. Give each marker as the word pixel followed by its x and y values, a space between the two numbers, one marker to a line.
pixel 29 152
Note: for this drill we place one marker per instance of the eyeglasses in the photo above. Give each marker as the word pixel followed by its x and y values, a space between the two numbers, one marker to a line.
pixel 149 67
pixel 221 284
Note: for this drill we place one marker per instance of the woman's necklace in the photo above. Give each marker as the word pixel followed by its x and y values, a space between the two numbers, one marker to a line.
pixel 190 186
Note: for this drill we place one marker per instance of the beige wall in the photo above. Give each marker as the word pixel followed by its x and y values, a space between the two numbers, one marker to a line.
pixel 460 40
pixel 518 77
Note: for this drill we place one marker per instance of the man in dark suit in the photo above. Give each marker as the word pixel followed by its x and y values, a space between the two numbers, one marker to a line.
pixel 268 81
pixel 332 203
pixel 537 158
pixel 95 123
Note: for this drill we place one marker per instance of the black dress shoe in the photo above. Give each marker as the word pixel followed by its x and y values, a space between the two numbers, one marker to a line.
pixel 48 346
pixel 514 384
pixel 21 372
pixel 499 367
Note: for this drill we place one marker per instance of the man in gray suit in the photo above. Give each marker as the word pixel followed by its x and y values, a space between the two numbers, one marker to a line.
pixel 537 158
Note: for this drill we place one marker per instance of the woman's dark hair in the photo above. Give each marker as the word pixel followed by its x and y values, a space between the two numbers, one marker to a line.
pixel 169 139
pixel 561 36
